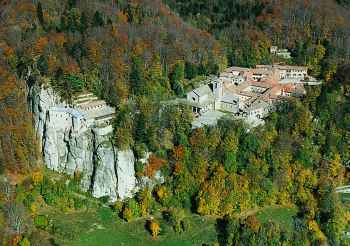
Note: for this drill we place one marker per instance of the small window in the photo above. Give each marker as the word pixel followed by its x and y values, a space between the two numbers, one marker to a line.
pixel 194 99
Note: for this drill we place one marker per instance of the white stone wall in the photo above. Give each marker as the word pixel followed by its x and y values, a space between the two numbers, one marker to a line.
pixel 191 95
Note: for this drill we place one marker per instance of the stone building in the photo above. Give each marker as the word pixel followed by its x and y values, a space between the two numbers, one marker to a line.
pixel 248 93
pixel 283 53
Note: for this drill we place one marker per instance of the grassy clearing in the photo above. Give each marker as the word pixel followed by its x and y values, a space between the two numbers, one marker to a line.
pixel 280 215
pixel 101 228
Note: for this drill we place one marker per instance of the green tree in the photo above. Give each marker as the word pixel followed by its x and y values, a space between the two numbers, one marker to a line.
pixel 191 70
pixel 83 23
pixel 40 14
pixel 177 77
pixel 98 19
pixel 229 149
pixel 137 76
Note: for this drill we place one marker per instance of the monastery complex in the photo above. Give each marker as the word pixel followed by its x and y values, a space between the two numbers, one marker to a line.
pixel 249 93
pixel 86 112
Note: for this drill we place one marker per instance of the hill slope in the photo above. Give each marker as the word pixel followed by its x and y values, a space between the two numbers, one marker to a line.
pixel 317 32
pixel 89 45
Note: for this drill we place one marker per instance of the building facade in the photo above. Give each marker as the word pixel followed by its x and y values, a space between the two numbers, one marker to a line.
pixel 248 92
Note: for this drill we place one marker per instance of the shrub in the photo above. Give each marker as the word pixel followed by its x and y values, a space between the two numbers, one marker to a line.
pixel 37 177
pixel 28 200
pixel 140 150
pixel 118 207
pixel 127 214
pixel 177 219
pixel 139 168
pixel 77 176
pixel 24 242
pixel 41 222
pixel 79 203
pixel 162 194
pixel 104 199
pixel 105 214
pixel 131 210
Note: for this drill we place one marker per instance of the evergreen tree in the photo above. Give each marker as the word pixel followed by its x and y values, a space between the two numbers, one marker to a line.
pixel 178 73
pixel 137 76
pixel 40 13
pixel 177 77
pixel 72 3
pixel 83 23
pixel 98 19
pixel 191 70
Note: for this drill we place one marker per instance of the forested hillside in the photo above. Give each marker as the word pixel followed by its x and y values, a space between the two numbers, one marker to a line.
pixel 115 50
pixel 221 185
pixel 317 32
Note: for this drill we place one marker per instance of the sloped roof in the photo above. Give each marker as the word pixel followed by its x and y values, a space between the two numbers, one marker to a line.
pixel 75 113
pixel 229 97
pixel 203 90
pixel 258 104
pixel 101 112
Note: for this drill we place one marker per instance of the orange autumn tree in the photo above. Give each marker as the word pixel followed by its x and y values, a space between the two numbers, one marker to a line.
pixel 178 156
pixel 154 164
pixel 154 227
pixel 17 141
pixel 40 45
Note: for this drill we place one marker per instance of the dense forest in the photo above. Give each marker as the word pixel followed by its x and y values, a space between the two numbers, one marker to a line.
pixel 136 54
pixel 317 36
pixel 117 51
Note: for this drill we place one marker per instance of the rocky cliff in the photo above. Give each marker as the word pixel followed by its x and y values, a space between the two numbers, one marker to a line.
pixel 69 148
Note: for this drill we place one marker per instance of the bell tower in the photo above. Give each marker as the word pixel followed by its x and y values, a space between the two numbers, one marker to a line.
pixel 217 88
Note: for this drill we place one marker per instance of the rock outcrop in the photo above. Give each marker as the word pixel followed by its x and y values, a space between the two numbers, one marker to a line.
pixel 68 146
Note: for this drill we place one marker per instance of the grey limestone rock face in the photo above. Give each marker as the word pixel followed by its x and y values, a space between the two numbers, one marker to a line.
pixel 105 177
pixel 69 148
pixel 125 173
pixel 40 100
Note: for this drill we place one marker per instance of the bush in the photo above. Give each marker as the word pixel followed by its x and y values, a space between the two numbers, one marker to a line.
pixel 41 222
pixel 162 195
pixel 177 219
pixel 127 214
pixel 105 214
pixel 131 210
pixel 140 150
pixel 28 200
pixel 79 203
pixel 24 242
pixel 139 168
pixel 104 199
pixel 117 207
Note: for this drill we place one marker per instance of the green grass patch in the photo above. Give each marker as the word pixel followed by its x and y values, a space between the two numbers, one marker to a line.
pixel 102 227
pixel 279 215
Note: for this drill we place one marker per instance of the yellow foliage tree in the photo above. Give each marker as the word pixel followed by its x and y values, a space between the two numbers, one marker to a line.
pixel 154 227
pixel 127 214
pixel 315 229
pixel 37 177
pixel 162 193
pixel 336 169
